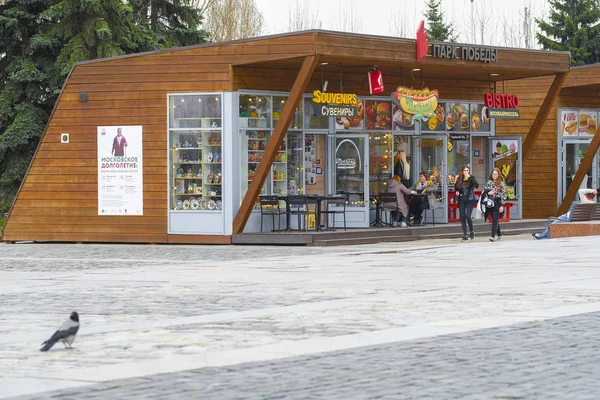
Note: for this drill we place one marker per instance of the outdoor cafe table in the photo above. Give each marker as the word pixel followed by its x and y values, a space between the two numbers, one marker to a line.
pixel 316 199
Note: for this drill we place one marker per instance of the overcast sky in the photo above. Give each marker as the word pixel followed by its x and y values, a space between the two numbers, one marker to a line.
pixel 401 17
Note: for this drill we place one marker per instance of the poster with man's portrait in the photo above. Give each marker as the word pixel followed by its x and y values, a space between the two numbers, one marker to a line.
pixel 120 176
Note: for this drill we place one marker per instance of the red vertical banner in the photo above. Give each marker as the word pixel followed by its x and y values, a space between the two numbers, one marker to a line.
pixel 375 82
pixel 422 43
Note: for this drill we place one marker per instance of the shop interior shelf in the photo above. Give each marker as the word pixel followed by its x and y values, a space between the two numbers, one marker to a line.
pixel 207 183
pixel 193 163
pixel 187 148
pixel 188 194
pixel 212 145
pixel 213 195
pixel 183 177
pixel 213 163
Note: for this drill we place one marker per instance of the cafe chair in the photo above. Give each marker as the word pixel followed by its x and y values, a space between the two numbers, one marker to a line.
pixel 333 207
pixel 386 199
pixel 425 214
pixel 269 206
pixel 298 205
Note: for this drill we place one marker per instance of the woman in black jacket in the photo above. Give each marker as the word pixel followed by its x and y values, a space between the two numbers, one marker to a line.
pixel 465 192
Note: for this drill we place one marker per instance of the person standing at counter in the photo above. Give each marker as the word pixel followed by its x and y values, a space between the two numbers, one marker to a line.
pixel 496 190
pixel 465 193
pixel 402 168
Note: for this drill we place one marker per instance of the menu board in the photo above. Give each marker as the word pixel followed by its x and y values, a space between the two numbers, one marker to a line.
pixel 587 122
pixel 480 122
pixel 355 122
pixel 378 115
pixel 569 123
pixel 402 121
pixel 436 123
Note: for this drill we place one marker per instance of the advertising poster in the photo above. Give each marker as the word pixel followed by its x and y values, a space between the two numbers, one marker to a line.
pixel 378 115
pixel 568 123
pixel 355 122
pixel 587 122
pixel 480 121
pixel 436 123
pixel 120 178
pixel 457 117
pixel 402 121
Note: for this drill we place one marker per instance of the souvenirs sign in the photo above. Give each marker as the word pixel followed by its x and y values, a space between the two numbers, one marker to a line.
pixel 335 104
pixel 420 103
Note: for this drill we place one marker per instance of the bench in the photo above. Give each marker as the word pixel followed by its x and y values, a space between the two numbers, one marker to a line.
pixel 454 216
pixel 584 220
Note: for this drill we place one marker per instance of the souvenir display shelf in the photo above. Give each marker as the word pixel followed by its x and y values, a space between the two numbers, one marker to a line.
pixel 258 116
pixel 197 176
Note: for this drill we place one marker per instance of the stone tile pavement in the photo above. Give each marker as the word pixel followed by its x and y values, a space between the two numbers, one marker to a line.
pixel 295 322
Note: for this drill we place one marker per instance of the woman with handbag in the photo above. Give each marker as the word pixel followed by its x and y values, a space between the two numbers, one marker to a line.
pixel 465 194
pixel 496 190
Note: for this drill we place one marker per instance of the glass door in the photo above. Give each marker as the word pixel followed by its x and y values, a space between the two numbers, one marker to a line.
pixel 433 159
pixel 350 166
pixel 505 155
pixel 571 155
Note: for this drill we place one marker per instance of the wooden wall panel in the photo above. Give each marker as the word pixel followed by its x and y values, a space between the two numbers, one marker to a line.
pixel 58 200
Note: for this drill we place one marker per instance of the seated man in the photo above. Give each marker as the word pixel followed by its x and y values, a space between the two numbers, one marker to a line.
pixel 417 204
pixel 586 195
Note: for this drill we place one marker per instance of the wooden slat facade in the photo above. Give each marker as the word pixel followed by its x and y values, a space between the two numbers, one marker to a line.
pixel 58 198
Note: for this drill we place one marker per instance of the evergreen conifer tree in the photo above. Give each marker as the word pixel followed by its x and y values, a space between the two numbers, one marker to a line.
pixel 93 29
pixel 174 22
pixel 437 29
pixel 573 26
pixel 28 87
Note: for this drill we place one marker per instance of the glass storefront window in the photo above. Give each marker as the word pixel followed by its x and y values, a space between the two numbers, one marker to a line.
pixel 312 118
pixel 278 103
pixel 259 114
pixel 380 161
pixel 195 159
pixel 432 160
pixel 295 163
pixel 255 111
pixel 459 152
pixel 194 111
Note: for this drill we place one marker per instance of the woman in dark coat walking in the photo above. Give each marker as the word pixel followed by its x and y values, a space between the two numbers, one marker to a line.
pixel 465 194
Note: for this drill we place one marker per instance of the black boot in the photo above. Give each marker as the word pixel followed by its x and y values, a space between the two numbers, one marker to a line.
pixel 471 235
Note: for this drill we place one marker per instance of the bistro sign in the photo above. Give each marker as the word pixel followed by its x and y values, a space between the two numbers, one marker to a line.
pixel 464 52
pixel 502 106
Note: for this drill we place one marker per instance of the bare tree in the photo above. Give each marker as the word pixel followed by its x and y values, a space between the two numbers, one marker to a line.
pixel 398 22
pixel 478 28
pixel 301 18
pixel 203 5
pixel 520 32
pixel 232 19
pixel 349 20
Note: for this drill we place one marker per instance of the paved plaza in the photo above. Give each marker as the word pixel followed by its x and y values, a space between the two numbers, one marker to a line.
pixel 440 319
